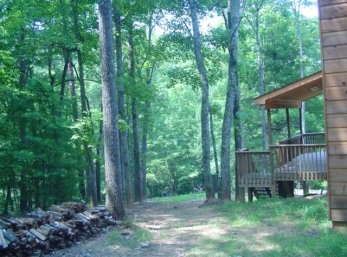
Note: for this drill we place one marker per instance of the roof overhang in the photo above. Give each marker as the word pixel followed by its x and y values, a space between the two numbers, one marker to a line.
pixel 293 94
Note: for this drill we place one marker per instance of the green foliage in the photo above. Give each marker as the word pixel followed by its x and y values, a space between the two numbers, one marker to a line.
pixel 42 145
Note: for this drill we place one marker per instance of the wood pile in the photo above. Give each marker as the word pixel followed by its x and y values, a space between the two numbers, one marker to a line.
pixel 41 232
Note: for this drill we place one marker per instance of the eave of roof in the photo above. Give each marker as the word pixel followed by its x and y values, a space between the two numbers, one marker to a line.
pixel 293 94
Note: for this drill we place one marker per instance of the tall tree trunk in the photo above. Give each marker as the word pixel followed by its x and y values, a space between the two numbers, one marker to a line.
pixel 258 5
pixel 8 201
pixel 215 155
pixel 144 150
pixel 114 196
pixel 137 160
pixel 22 129
pixel 122 111
pixel 238 135
pixel 260 74
pixel 232 88
pixel 66 54
pixel 146 116
pixel 143 154
pixel 91 179
pixel 296 4
pixel 72 87
pixel 98 165
pixel 204 101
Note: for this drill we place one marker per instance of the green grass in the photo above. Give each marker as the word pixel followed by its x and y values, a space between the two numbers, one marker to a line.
pixel 293 227
pixel 177 199
pixel 309 230
pixel 137 236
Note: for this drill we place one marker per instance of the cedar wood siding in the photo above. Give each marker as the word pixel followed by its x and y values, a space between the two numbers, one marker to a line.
pixel 333 29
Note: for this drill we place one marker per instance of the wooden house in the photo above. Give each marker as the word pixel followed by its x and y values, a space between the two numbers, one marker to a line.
pixel 297 158
pixel 317 156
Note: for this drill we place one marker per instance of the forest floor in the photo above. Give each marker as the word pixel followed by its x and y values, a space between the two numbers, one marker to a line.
pixel 159 229
pixel 190 228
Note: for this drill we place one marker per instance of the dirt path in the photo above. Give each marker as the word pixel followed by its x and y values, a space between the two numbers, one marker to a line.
pixel 175 229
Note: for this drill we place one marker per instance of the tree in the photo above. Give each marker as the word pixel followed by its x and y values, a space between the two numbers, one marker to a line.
pixel 122 111
pixel 114 194
pixel 254 19
pixel 205 137
pixel 232 100
pixel 135 124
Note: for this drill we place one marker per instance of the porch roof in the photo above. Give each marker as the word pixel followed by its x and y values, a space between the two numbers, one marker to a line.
pixel 293 94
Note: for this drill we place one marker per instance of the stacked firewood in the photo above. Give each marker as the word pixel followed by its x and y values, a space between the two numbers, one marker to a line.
pixel 41 232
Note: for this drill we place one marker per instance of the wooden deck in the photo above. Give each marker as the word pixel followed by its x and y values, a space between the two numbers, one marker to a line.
pixel 300 158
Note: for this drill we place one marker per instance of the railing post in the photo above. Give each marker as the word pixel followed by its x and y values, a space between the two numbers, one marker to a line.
pixel 273 182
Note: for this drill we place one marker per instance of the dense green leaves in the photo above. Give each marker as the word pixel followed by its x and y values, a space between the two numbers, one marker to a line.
pixel 42 137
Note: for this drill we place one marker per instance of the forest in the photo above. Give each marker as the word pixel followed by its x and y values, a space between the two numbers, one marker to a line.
pixel 184 76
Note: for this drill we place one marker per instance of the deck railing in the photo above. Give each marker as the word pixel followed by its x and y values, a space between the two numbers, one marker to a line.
pixel 298 162
pixel 254 168
pixel 308 138
pixel 301 158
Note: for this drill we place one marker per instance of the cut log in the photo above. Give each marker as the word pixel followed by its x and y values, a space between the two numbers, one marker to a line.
pixel 31 222
pixel 10 236
pixel 75 206
pixel 3 243
pixel 4 224
pixel 83 218
pixel 61 226
pixel 91 216
pixel 37 234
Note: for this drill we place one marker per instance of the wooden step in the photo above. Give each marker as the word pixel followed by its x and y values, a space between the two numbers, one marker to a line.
pixel 261 192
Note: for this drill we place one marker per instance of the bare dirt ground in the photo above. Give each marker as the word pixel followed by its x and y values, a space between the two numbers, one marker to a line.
pixel 176 229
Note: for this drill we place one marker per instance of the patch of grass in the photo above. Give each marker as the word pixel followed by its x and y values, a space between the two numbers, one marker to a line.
pixel 318 243
pixel 135 238
pixel 309 232
pixel 275 227
pixel 225 247
pixel 272 211
pixel 178 198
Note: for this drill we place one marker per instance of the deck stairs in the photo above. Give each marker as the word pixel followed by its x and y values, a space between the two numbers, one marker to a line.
pixel 262 192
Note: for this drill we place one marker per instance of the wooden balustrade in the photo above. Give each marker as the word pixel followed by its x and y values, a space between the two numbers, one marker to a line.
pixel 298 162
pixel 291 160
pixel 254 168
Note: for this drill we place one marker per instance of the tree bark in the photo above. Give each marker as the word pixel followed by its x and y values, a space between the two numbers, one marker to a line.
pixel 91 179
pixel 22 129
pixel 114 197
pixel 72 88
pixel 122 111
pixel 232 89
pixel 296 4
pixel 261 89
pixel 98 165
pixel 215 155
pixel 204 101
pixel 144 152
pixel 135 126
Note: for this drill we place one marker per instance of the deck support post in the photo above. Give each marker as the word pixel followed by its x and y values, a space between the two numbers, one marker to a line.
pixel 288 123
pixel 250 194
pixel 300 121
pixel 269 126
pixel 242 195
pixel 273 189
pixel 305 188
